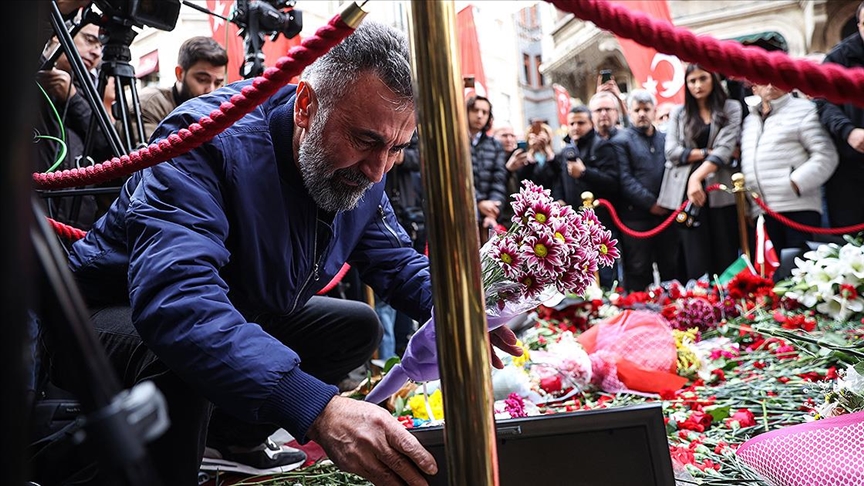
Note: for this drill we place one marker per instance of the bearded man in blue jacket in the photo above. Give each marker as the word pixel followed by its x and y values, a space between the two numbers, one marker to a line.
pixel 203 275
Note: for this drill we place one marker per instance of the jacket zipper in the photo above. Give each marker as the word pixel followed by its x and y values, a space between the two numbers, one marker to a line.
pixel 314 275
pixel 387 226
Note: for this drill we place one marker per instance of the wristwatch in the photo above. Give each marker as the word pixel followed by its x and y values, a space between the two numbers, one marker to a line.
pixel 704 154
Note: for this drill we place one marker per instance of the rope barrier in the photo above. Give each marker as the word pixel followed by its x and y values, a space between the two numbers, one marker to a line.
pixel 803 227
pixel 262 87
pixel 65 231
pixel 656 230
pixel 833 82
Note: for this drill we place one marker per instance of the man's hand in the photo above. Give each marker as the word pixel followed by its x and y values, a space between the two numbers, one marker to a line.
pixel 576 168
pixel 57 83
pixel 856 139
pixel 518 160
pixel 489 208
pixel 364 439
pixel 658 210
pixel 504 339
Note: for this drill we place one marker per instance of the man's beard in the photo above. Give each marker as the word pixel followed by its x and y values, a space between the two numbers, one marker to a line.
pixel 184 94
pixel 328 189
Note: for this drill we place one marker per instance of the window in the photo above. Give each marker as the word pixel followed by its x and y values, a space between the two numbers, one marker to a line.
pixel 540 82
pixel 526 68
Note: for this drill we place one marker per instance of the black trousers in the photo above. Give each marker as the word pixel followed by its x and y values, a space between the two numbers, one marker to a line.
pixel 332 337
pixel 714 245
pixel 640 253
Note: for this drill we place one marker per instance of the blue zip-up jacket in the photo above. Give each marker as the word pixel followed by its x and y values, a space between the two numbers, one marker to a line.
pixel 201 244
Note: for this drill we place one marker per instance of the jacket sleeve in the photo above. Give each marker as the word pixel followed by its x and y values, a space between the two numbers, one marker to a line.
pixel 831 115
pixel 388 263
pixel 498 187
pixel 676 152
pixel 728 136
pixel 631 189
pixel 604 175
pixel 823 154
pixel 180 302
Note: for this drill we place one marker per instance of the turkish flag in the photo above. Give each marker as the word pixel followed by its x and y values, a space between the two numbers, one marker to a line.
pixel 766 257
pixel 469 52
pixel 563 99
pixel 226 34
pixel 661 74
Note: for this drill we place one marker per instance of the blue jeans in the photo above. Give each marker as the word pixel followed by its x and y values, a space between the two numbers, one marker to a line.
pixel 387 316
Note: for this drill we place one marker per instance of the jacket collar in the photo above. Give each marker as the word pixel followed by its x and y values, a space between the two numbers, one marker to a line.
pixel 282 134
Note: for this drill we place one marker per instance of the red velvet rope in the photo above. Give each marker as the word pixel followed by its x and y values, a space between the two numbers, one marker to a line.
pixel 836 83
pixel 207 127
pixel 65 231
pixel 803 227
pixel 654 231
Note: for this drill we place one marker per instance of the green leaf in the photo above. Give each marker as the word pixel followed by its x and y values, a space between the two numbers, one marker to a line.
pixel 391 363
pixel 859 368
pixel 719 413
pixel 399 405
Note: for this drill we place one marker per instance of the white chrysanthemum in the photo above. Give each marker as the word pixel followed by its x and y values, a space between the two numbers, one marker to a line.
pixel 852 381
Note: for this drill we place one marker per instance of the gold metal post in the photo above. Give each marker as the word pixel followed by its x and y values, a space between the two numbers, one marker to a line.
pixel 741 202
pixel 454 249
pixel 588 199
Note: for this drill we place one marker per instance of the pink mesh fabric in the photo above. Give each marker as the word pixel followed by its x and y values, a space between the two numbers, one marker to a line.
pixel 827 452
pixel 643 337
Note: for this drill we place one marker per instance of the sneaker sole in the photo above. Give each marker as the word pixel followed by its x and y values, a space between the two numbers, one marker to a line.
pixel 221 465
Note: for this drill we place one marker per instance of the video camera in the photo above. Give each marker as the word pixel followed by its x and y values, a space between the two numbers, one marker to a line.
pixel 269 16
pixel 257 18
pixel 159 14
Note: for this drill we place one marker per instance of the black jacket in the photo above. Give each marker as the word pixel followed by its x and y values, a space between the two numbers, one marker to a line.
pixel 601 170
pixel 840 120
pixel 641 163
pixel 489 170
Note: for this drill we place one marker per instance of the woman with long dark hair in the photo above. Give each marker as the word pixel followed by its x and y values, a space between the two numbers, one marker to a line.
pixel 701 141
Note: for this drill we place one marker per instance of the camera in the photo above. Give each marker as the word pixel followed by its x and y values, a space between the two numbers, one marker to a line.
pixel 159 14
pixel 571 153
pixel 269 17
pixel 689 216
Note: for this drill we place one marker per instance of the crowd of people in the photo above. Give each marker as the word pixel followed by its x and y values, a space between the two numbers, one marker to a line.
pixel 203 273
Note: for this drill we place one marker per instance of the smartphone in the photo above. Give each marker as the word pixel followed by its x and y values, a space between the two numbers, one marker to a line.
pixel 522 144
pixel 605 75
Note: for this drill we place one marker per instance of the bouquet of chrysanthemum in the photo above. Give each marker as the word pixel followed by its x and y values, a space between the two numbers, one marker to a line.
pixel 549 248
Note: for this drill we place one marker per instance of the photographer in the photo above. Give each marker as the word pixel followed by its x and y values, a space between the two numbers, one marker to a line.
pixel 63 125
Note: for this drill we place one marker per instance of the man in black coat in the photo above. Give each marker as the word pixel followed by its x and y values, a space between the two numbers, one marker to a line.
pixel 641 162
pixel 845 123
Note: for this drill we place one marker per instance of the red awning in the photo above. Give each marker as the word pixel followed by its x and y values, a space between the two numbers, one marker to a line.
pixel 148 63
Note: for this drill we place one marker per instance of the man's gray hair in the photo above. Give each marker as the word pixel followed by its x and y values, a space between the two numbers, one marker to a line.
pixel 641 96
pixel 372 48
pixel 604 94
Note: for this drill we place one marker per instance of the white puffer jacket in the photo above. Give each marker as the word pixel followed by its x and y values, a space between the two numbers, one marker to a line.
pixel 790 145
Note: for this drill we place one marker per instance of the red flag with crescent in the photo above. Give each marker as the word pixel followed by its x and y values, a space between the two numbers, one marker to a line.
pixel 225 34
pixel 661 74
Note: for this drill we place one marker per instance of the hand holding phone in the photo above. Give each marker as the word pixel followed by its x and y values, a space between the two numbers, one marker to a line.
pixel 522 144
pixel 605 75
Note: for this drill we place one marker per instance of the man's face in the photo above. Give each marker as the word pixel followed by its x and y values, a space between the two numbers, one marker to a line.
pixel 344 152
pixel 506 138
pixel 201 78
pixel 478 115
pixel 578 124
pixel 768 92
pixel 89 47
pixel 642 115
pixel 604 114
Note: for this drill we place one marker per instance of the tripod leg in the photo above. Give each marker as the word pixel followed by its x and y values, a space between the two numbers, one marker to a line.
pixel 123 109
pixel 136 109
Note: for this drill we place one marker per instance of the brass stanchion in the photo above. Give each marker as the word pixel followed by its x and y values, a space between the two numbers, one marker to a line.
pixel 741 202
pixel 460 318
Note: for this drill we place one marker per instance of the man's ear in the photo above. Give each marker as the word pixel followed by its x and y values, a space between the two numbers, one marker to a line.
pixel 178 72
pixel 303 105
